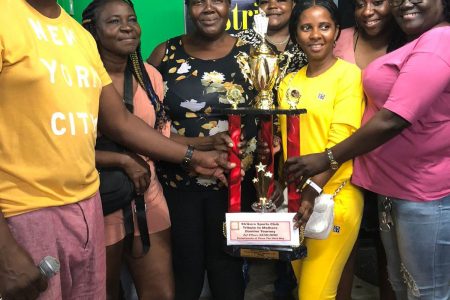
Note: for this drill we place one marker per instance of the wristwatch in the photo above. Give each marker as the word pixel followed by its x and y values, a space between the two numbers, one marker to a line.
pixel 334 165
pixel 186 162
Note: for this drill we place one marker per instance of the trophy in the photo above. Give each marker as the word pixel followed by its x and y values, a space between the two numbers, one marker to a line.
pixel 262 234
pixel 261 67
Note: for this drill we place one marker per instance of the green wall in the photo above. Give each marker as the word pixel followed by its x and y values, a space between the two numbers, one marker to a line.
pixel 159 19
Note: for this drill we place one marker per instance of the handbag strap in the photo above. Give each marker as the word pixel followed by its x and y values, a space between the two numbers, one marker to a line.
pixel 141 217
pixel 128 88
pixel 339 188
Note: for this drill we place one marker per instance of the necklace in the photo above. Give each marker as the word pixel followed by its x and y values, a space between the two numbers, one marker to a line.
pixel 277 43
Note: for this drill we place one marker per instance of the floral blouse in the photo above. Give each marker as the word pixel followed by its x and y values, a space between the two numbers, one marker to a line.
pixel 193 88
pixel 298 59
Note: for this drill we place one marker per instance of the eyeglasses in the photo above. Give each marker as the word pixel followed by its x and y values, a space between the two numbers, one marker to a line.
pixel 396 3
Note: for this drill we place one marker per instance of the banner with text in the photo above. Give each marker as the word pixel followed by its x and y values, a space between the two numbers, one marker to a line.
pixel 241 16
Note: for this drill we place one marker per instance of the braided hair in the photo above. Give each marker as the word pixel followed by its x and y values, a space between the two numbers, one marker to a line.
pixel 135 61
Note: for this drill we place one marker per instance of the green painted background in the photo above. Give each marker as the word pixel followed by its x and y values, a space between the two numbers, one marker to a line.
pixel 163 19
pixel 159 19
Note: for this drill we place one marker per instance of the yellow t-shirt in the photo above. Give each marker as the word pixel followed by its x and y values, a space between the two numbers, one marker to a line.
pixel 51 77
pixel 335 104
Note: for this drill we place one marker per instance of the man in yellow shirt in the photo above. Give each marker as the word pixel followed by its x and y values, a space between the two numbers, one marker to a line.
pixel 51 80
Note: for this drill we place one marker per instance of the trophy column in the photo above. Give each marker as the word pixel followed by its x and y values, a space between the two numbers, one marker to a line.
pixel 234 177
pixel 293 144
pixel 266 133
pixel 293 149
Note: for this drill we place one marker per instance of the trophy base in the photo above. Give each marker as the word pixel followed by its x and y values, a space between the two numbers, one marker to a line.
pixel 267 252
pixel 266 207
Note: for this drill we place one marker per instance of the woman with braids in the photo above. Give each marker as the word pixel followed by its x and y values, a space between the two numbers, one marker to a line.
pixel 54 94
pixel 402 150
pixel 114 25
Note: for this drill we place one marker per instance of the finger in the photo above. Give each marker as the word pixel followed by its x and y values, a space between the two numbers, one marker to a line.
pixel 42 284
pixel 221 177
pixel 227 140
pixel 297 220
pixel 137 185
pixel 242 144
pixel 292 166
pixel 142 185
pixel 222 161
pixel 222 147
pixel 302 181
pixel 293 173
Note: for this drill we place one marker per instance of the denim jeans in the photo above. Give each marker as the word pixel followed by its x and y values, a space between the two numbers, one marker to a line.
pixel 417 247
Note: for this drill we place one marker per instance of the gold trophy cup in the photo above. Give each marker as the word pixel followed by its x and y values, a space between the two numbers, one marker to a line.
pixel 261 69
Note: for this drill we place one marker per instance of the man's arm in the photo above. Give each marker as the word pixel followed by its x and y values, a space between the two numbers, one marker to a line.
pixel 19 276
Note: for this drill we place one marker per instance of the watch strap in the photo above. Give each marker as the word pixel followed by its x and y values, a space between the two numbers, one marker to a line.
pixel 186 162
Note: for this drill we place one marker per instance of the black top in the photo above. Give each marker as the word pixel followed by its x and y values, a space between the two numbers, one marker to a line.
pixel 193 88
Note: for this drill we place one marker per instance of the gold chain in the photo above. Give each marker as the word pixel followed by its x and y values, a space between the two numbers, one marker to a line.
pixel 340 188
pixel 277 43
pixel 302 234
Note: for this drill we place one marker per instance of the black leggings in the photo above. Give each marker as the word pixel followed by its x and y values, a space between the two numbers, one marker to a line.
pixel 197 243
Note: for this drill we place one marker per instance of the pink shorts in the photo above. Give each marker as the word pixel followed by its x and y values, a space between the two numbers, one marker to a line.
pixel 158 218
pixel 74 235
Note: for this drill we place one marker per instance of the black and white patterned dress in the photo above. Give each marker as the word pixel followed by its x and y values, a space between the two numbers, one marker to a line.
pixel 193 88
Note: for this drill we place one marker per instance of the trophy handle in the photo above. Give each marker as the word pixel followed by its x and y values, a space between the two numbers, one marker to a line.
pixel 242 59
pixel 288 57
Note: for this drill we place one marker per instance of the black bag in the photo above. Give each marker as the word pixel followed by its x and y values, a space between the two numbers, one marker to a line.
pixel 116 188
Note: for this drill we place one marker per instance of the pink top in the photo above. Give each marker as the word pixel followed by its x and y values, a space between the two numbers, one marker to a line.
pixel 413 82
pixel 344 45
pixel 157 212
pixel 143 109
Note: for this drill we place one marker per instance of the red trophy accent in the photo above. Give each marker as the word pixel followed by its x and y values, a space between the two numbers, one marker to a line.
pixel 293 149
pixel 266 133
pixel 234 177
